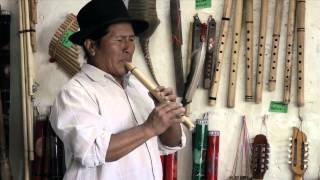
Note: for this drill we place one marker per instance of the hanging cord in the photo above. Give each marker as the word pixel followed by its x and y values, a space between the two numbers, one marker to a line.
pixel 300 118
pixel 264 125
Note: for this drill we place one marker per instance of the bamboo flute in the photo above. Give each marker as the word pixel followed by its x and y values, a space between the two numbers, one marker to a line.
pixel 235 54
pixel 300 41
pixel 223 35
pixel 275 45
pixel 261 49
pixel 289 52
pixel 249 50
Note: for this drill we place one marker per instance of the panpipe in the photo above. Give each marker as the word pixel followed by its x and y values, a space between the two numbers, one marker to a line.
pixel 212 160
pixel 146 10
pixel 235 54
pixel 300 45
pixel 200 149
pixel 64 51
pixel 275 45
pixel 261 49
pixel 223 35
pixel 289 51
pixel 152 88
pixel 208 69
pixel 249 50
pixel 176 45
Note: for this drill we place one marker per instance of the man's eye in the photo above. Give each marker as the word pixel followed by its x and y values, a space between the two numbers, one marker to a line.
pixel 132 39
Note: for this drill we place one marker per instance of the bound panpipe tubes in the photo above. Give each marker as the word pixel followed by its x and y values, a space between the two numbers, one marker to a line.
pixel 62 50
pixel 223 35
pixel 261 49
pixel 33 22
pixel 146 10
pixel 249 50
pixel 235 54
pixel 209 62
pixel 300 41
pixel 176 45
pixel 289 53
pixel 275 45
pixel 152 88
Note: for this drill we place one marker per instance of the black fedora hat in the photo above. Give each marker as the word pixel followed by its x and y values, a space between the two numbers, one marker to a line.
pixel 97 15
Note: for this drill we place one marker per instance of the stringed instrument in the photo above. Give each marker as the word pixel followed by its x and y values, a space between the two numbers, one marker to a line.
pixel 298 158
pixel 260 156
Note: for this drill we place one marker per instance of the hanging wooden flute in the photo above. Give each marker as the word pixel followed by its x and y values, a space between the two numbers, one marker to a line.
pixel 249 50
pixel 235 54
pixel 300 41
pixel 289 48
pixel 275 45
pixel 210 58
pixel 196 28
pixel 152 88
pixel 261 49
pixel 176 45
pixel 146 10
pixel 223 35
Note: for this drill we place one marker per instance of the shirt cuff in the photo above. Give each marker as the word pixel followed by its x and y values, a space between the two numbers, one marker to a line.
pixel 165 150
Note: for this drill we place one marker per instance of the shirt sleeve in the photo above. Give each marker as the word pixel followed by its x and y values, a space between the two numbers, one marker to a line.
pixel 75 118
pixel 165 150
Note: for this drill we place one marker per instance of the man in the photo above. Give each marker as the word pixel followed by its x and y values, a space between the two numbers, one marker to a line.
pixel 110 127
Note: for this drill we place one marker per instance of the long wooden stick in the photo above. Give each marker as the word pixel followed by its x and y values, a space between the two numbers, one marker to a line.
pixel 300 40
pixel 289 52
pixel 224 28
pixel 249 50
pixel 235 54
pixel 275 45
pixel 23 92
pixel 152 88
pixel 261 49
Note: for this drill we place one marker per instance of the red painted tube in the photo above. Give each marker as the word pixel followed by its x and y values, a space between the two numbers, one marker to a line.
pixel 170 172
pixel 212 155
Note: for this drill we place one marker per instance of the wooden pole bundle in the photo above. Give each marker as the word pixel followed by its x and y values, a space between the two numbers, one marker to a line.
pixel 62 50
pixel 289 52
pixel 275 45
pixel 27 80
pixel 235 54
pixel 249 50
pixel 223 36
pixel 300 41
pixel 261 49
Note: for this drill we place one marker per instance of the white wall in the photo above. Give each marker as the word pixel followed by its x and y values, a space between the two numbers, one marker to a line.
pixel 279 126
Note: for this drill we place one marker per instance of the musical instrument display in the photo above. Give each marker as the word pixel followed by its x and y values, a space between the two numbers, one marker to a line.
pixel 298 157
pixel 249 50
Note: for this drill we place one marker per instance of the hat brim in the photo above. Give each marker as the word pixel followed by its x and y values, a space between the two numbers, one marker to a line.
pixel 139 26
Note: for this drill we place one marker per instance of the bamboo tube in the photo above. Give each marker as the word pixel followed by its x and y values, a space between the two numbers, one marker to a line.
pixel 261 49
pixel 289 48
pixel 223 36
pixel 275 45
pixel 300 39
pixel 23 90
pixel 152 88
pixel 249 50
pixel 235 54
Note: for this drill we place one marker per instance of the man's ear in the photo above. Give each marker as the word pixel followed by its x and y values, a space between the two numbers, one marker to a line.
pixel 90 46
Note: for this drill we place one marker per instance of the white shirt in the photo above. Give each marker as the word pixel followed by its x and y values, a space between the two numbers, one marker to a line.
pixel 90 108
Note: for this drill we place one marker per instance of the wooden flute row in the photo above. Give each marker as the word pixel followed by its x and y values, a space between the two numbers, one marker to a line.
pixel 296 9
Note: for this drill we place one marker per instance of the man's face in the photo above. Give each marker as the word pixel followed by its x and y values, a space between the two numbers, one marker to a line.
pixel 116 49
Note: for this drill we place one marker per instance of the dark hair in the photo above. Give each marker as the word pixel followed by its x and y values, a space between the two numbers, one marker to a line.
pixel 97 38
